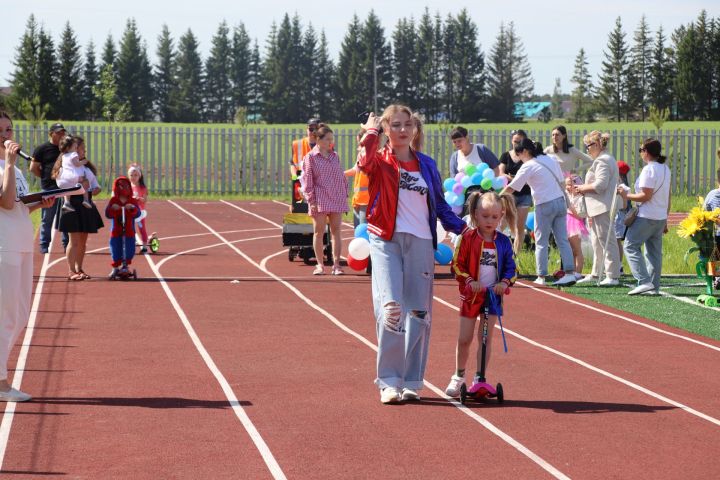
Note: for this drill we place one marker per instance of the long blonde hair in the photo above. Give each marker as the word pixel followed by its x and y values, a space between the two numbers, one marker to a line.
pixel 489 199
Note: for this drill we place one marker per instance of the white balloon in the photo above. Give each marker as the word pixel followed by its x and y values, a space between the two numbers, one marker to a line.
pixel 359 248
pixel 441 233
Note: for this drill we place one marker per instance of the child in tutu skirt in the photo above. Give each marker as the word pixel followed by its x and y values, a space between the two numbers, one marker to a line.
pixel 576 228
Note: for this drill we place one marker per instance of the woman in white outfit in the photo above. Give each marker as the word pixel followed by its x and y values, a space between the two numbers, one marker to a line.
pixel 16 254
pixel 600 191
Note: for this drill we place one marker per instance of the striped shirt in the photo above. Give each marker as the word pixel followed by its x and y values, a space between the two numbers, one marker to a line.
pixel 712 201
pixel 326 187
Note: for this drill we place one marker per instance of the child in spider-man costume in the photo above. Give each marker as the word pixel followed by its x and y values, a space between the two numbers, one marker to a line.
pixel 122 209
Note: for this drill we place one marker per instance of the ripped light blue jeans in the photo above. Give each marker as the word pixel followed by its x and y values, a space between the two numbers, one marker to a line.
pixel 402 287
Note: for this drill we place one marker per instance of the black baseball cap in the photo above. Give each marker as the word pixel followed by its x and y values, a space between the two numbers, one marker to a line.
pixel 313 121
pixel 56 127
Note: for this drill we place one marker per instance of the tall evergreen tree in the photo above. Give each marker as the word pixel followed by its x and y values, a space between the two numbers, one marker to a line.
pixel 255 85
pixel 69 81
pixel 349 75
pixel 25 80
pixel 689 56
pixel 510 77
pixel 91 76
pixel 240 75
pixel 582 93
pixel 704 28
pixel 47 70
pixel 218 88
pixel 376 54
pixel 323 73
pixel 134 74
pixel 466 69
pixel 613 88
pixel 188 102
pixel 109 55
pixel 556 108
pixel 405 63
pixel 714 63
pixel 165 82
pixel 639 74
pixel 304 62
pixel 428 67
pixel 661 74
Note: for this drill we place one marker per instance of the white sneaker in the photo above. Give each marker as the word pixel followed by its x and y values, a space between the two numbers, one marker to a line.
pixel 587 279
pixel 14 395
pixel 453 388
pixel 645 287
pixel 539 281
pixel 609 282
pixel 390 395
pixel 409 394
pixel 566 280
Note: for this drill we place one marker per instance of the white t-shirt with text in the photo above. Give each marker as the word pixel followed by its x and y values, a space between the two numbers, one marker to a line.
pixel 413 214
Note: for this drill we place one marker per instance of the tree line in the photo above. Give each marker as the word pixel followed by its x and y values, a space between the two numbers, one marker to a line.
pixel 434 65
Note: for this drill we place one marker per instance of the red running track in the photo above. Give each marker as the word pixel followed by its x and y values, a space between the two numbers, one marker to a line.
pixel 241 364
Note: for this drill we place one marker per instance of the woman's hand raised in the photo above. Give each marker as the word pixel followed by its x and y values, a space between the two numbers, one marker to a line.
pixel 372 122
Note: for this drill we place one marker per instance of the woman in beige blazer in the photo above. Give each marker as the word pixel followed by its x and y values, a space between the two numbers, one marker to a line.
pixel 600 190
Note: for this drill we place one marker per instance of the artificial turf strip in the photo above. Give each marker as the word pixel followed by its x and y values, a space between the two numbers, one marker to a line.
pixel 667 310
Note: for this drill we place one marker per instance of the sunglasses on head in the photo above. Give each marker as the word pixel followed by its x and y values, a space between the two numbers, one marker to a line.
pixel 589 145
pixel 312 128
pixel 641 149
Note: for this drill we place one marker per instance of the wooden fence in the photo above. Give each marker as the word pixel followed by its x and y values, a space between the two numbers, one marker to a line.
pixel 229 160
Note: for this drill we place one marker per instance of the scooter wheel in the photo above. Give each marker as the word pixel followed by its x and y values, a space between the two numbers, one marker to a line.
pixel 154 245
pixel 463 394
pixel 134 274
pixel 500 394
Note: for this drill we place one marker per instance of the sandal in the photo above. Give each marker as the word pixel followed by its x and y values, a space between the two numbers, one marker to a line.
pixel 74 276
pixel 319 270
pixel 337 271
pixel 84 275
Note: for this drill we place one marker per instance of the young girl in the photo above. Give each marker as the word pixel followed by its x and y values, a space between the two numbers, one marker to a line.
pixel 122 235
pixel 483 260
pixel 75 169
pixel 140 193
pixel 576 228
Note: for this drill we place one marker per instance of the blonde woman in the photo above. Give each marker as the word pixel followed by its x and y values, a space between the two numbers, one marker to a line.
pixel 600 191
pixel 406 200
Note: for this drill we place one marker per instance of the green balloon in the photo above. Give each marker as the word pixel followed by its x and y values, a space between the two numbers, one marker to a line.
pixel 486 184
pixel 470 169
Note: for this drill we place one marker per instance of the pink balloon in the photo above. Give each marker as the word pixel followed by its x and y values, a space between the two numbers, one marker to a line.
pixel 459 176
pixel 458 189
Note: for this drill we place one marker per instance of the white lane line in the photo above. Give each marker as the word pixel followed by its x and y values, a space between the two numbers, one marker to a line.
pixel 9 414
pixel 595 369
pixel 257 439
pixel 185 252
pixel 248 212
pixel 484 422
pixel 682 299
pixel 548 291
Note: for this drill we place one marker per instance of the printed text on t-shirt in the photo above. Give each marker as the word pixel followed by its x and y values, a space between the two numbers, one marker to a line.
pixel 409 182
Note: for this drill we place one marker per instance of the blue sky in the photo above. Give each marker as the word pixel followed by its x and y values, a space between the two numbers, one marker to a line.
pixel 552 34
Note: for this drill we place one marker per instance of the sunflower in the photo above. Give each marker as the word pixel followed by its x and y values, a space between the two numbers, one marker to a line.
pixel 699 226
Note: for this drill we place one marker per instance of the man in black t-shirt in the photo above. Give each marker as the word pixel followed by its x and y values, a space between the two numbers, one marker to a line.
pixel 45 156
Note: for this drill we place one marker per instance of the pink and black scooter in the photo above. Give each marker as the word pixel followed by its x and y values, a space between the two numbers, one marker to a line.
pixel 483 390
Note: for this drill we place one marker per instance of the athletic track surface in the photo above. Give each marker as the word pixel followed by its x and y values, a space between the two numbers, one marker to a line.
pixel 225 360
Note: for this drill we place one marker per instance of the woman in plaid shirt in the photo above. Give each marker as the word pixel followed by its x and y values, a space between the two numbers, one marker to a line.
pixel 326 191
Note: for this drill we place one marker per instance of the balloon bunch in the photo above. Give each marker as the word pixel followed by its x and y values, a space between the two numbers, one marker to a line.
pixel 359 249
pixel 471 175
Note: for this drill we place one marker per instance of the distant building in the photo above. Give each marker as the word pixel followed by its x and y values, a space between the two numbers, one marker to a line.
pixel 532 110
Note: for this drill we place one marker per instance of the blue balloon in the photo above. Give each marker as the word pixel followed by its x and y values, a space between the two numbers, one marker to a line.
pixel 466 181
pixel 476 178
pixel 481 167
pixel 443 254
pixel 488 173
pixel 530 222
pixel 448 184
pixel 450 198
pixel 459 201
pixel 362 231
pixel 497 183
